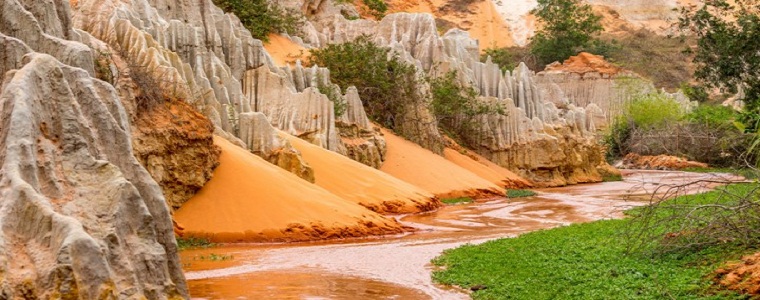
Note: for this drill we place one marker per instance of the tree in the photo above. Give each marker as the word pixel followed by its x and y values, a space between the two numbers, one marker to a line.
pixel 262 18
pixel 728 49
pixel 568 27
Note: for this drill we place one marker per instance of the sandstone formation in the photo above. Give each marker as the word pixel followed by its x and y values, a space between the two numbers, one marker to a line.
pixel 355 182
pixel 221 69
pixel 533 118
pixel 250 200
pixel 81 217
pixel 659 162
pixel 175 144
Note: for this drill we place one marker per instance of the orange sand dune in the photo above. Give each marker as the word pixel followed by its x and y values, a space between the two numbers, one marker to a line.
pixel 283 50
pixel 411 163
pixel 361 184
pixel 486 169
pixel 251 200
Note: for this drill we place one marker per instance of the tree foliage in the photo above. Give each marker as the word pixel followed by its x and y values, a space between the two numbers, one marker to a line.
pixel 386 84
pixel 567 27
pixel 728 49
pixel 262 18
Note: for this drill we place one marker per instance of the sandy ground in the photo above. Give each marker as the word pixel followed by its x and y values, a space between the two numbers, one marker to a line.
pixel 409 162
pixel 356 182
pixel 485 169
pixel 284 51
pixel 251 200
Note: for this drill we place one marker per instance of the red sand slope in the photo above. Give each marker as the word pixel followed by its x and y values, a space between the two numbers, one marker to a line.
pixel 251 200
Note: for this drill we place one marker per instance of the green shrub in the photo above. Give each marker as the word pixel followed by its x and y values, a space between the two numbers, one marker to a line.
pixel 262 18
pixel 695 92
pixel 455 105
pixel 510 57
pixel 193 243
pixel 653 110
pixel 378 7
pixel 457 200
pixel 387 85
pixel 520 193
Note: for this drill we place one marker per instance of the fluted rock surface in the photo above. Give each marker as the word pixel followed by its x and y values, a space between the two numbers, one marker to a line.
pixel 256 133
pixel 206 55
pixel 80 217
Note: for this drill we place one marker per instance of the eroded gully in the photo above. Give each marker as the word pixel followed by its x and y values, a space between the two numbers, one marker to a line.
pixel 399 267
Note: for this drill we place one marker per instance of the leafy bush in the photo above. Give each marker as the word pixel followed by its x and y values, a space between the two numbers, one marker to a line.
pixel 510 57
pixel 263 18
pixel 378 7
pixel 386 84
pixel 193 243
pixel 455 105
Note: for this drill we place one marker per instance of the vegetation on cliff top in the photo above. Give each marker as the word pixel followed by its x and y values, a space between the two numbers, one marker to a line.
pixel 262 18
pixel 568 26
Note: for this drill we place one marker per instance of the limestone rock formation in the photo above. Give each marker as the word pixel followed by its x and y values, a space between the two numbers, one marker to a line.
pixel 258 137
pixel 215 64
pixel 81 218
pixel 659 162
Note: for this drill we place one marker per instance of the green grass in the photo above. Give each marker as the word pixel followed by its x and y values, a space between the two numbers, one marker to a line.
pixel 193 243
pixel 520 193
pixel 612 177
pixel 585 261
pixel 457 200
pixel 214 257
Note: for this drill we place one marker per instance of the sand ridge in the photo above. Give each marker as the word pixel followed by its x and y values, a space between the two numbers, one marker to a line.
pixel 361 184
pixel 251 200
pixel 409 162
pixel 485 169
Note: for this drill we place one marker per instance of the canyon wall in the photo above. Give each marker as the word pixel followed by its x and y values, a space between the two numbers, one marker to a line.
pixel 81 218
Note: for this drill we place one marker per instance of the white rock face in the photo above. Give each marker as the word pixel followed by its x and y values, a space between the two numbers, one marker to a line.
pixel 80 217
pixel 211 57
pixel 536 117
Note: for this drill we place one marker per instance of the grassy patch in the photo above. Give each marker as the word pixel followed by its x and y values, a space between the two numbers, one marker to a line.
pixel 193 243
pixel 457 200
pixel 612 177
pixel 520 193
pixel 585 261
pixel 214 257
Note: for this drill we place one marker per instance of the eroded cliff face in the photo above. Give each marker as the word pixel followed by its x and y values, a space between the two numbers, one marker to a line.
pixel 541 136
pixel 81 218
pixel 221 69
pixel 176 145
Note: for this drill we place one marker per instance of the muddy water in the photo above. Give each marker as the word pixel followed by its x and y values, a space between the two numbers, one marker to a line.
pixel 398 267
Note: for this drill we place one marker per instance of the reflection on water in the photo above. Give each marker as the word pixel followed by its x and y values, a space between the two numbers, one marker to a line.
pixel 300 284
pixel 398 267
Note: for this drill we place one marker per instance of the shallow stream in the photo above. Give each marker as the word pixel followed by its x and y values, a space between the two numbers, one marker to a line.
pixel 399 267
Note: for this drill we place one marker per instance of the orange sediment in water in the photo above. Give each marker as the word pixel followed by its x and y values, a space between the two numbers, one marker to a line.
pixel 361 184
pixel 423 168
pixel 251 200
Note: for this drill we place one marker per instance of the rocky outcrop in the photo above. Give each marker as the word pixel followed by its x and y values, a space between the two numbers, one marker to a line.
pixel 659 162
pixel 257 134
pixel 213 60
pixel 176 146
pixel 80 217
